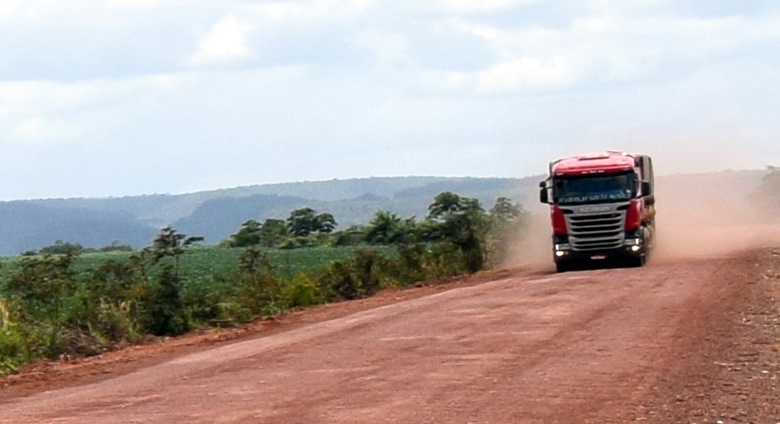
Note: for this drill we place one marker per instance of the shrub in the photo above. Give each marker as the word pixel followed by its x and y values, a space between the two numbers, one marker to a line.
pixel 162 310
pixel 302 291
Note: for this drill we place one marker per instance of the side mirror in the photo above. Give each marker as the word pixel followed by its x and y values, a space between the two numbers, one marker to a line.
pixel 647 189
pixel 543 197
pixel 647 193
pixel 544 191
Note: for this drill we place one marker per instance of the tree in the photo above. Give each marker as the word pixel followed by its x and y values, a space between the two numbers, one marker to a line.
pixel 388 228
pixel 247 235
pixel 351 236
pixel 270 233
pixel 62 248
pixel 273 232
pixel 767 196
pixel 326 223
pixel 447 203
pixel 460 221
pixel 171 243
pixel 305 221
pixel 44 284
pixel 506 220
pixel 117 246
pixel 302 222
pixel 506 211
pixel 164 309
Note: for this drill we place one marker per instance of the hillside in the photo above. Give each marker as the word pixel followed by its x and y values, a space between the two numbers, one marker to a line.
pixel 215 214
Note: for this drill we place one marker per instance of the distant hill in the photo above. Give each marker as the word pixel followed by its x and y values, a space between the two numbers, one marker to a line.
pixel 217 218
pixel 27 226
pixel 215 214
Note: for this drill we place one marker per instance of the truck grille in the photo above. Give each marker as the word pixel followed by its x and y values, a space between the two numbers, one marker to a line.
pixel 596 231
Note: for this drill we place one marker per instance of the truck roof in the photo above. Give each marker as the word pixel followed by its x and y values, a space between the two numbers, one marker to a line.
pixel 594 163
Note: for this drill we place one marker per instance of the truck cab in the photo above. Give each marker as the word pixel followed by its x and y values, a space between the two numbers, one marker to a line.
pixel 602 208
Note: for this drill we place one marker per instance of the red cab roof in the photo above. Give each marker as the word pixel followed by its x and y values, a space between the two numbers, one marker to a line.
pixel 596 163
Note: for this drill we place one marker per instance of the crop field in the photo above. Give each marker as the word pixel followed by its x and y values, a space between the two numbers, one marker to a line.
pixel 204 264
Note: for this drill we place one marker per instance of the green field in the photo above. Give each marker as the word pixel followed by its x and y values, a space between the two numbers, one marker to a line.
pixel 202 264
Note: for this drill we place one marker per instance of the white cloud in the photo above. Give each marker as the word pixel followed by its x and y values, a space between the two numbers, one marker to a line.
pixel 55 113
pixel 468 6
pixel 34 97
pixel 32 128
pixel 314 10
pixel 40 130
pixel 8 8
pixel 150 4
pixel 527 73
pixel 388 47
pixel 517 75
pixel 600 48
pixel 226 42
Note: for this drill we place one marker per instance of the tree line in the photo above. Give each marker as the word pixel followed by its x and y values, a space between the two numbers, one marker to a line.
pixel 454 219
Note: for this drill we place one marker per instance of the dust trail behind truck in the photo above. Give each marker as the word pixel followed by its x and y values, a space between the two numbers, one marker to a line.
pixel 602 208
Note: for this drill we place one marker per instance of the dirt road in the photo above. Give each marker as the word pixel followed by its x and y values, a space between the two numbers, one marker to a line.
pixel 693 341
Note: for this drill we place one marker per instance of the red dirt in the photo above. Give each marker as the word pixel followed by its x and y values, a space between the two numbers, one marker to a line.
pixel 677 341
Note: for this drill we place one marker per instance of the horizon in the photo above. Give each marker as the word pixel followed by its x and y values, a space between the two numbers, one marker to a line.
pixel 209 190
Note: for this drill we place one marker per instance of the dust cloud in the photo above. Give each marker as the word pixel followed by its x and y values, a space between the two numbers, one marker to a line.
pixel 533 247
pixel 710 215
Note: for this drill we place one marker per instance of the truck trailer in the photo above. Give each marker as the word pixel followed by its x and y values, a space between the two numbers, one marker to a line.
pixel 602 208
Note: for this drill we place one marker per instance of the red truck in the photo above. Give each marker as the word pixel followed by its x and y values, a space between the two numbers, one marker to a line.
pixel 602 207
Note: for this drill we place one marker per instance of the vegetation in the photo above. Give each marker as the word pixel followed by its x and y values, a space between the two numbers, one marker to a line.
pixel 767 197
pixel 65 300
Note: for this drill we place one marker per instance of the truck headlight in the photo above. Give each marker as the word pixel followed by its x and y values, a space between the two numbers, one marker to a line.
pixel 561 249
pixel 633 242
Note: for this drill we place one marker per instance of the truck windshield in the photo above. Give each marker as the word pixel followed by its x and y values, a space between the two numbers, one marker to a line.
pixel 594 189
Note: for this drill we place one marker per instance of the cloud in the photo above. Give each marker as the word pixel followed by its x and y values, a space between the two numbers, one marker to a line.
pixel 482 6
pixel 307 11
pixel 31 128
pixel 388 47
pixel 40 130
pixel 596 49
pixel 225 43
pixel 112 86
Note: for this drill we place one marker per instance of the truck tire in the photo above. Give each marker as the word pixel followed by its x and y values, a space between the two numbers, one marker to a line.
pixel 638 262
pixel 562 267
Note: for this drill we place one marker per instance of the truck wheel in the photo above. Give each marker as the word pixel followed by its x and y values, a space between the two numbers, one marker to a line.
pixel 639 262
pixel 562 267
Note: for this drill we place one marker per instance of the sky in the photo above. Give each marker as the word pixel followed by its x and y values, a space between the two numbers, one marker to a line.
pixel 106 98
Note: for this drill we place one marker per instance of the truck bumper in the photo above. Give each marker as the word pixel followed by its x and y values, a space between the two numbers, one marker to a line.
pixel 633 252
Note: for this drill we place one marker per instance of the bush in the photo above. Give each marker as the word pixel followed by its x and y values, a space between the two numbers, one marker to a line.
pixel 258 287
pixel 206 301
pixel 302 291
pixel 162 310
pixel 358 277
pixel 12 349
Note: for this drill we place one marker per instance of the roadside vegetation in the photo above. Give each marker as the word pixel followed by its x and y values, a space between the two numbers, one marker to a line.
pixel 767 196
pixel 65 300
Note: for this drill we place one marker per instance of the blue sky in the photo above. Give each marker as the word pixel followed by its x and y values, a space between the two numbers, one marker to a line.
pixel 126 97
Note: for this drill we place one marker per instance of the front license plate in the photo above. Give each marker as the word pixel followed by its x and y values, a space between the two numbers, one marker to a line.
pixel 598 257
